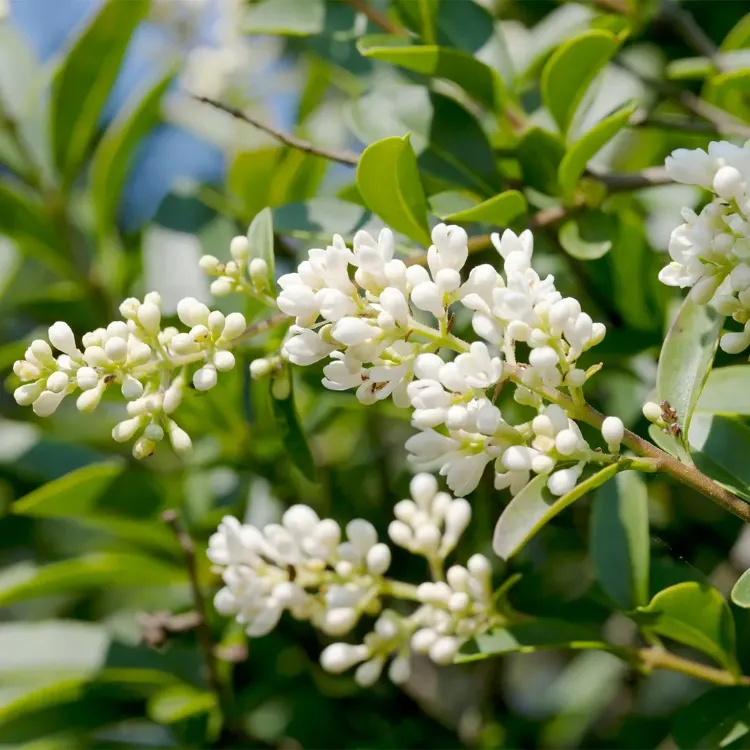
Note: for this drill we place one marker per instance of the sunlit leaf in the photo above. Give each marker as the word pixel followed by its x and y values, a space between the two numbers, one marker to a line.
pixel 500 210
pixel 577 247
pixel 260 237
pixel 286 17
pixel 179 702
pixel 727 391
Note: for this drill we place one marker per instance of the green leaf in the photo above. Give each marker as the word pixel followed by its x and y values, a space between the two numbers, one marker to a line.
pixel 112 159
pixel 570 71
pixel 179 702
pixel 695 615
pixel 500 210
pixel 526 637
pixel 450 202
pixel 260 237
pixel 388 180
pixel 720 447
pixel 583 150
pixel 477 79
pixel 689 68
pixel 533 507
pixel 717 718
pixel 685 361
pixel 577 247
pixel 730 91
pixel 320 216
pixel 91 573
pixel 84 79
pixel 741 591
pixel 289 426
pixel 739 36
pixel 540 154
pixel 619 539
pixel 285 17
pixel 727 391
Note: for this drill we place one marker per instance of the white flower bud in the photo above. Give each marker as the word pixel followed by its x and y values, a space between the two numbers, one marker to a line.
pixel 378 559
pixel 566 442
pixel 89 400
pixel 234 326
pixel 259 273
pixel 62 338
pixel 338 657
pixel 87 378
pixel 400 534
pixel 205 378
pixel 652 411
pixel 116 349
pixel 47 402
pixel 25 395
pixel 543 357
pixel 57 382
pixel 340 621
pixel 733 343
pixel 138 352
pixel 400 670
pixel 181 443
pixel 131 388
pixel 26 370
pixel 367 674
pixel 480 567
pixel 459 602
pixel 173 396
pixel 154 432
pixel 222 286
pixel 143 448
pixel 444 650
pixel 192 312
pixel 458 577
pixel 239 248
pixel 428 297
pixel 457 517
pixel 129 308
pixel 199 334
pixel 613 431
pixel 223 360
pixel 427 538
pixel 95 356
pixel 423 640
pixel 563 481
pixel 149 316
pixel 209 263
pixel 216 323
pixel 362 535
pixel 260 368
pixel 41 350
pixel 423 488
pixel 124 431
pixel 727 182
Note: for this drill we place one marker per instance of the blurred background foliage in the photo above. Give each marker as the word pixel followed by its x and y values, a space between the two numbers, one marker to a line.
pixel 114 180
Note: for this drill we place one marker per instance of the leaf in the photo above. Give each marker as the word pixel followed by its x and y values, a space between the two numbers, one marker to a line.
pixel 583 150
pixel 717 718
pixel 533 507
pixel 540 154
pixel 260 237
pixel 720 446
pixel 92 572
pixel 500 210
pixel 573 244
pixel 695 615
pixel 727 391
pixel 179 702
pixel 619 539
pixel 285 17
pixel 570 71
pixel 685 361
pixel 388 180
pixel 289 426
pixel 739 36
pixel 84 79
pixel 526 637
pixel 741 591
pixel 324 216
pixel 113 157
pixel 730 91
pixel 477 79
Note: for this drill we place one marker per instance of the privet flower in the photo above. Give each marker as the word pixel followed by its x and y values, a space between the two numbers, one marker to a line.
pixel 711 251
pixel 151 366
pixel 332 578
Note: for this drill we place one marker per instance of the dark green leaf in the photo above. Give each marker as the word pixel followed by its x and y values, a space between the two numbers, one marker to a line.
pixel 84 79
pixel 727 391
pixel 716 719
pixel 570 71
pixel 583 150
pixel 500 210
pixel 533 507
pixel 620 542
pixel 286 17
pixel 573 244
pixel 113 156
pixel 289 426
pixel 526 637
pixel 260 237
pixel 685 361
pixel 388 180
pixel 695 615
pixel 540 154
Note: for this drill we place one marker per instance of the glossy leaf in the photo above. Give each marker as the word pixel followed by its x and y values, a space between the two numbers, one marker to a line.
pixel 620 541
pixel 718 718
pixel 388 180
pixel 739 36
pixel 540 154
pixel 586 147
pixel 720 446
pixel 285 17
pixel 727 391
pixel 477 79
pixel 260 237
pixel 694 615
pixel 577 247
pixel 499 211
pixel 114 154
pixel 533 507
pixel 685 360
pixel 526 637
pixel 84 79
pixel 730 91
pixel 570 71
pixel 91 573
pixel 179 702
pixel 741 591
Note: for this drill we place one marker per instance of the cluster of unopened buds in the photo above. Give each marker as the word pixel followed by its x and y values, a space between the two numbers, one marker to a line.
pixel 240 275
pixel 150 364
pixel 711 251
pixel 305 566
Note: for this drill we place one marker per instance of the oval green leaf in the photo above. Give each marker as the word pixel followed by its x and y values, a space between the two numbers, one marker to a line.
pixel 570 71
pixel 727 391
pixel 500 210
pixel 685 362
pixel 179 702
pixel 533 507
pixel 113 156
pixel 716 719
pixel 260 237
pixel 619 539
pixel 577 247
pixel 388 180
pixel 584 149
pixel 84 79
pixel 695 615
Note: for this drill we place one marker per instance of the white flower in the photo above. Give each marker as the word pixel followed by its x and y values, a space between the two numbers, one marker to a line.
pixel 305 347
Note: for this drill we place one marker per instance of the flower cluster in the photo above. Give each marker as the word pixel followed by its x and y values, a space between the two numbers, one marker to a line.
pixel 238 275
pixel 711 251
pixel 373 325
pixel 148 363
pixel 306 567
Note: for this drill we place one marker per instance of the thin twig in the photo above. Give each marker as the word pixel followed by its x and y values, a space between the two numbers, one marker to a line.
pixel 349 158
pixel 255 329
pixel 377 18
pixel 666 122
pixel 655 658
pixel 205 639
pixel 676 17
pixel 621 182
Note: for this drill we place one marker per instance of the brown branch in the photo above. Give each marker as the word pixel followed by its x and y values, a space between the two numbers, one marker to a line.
pixel 618 183
pixel 656 658
pixel 667 122
pixel 349 158
pixel 377 18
